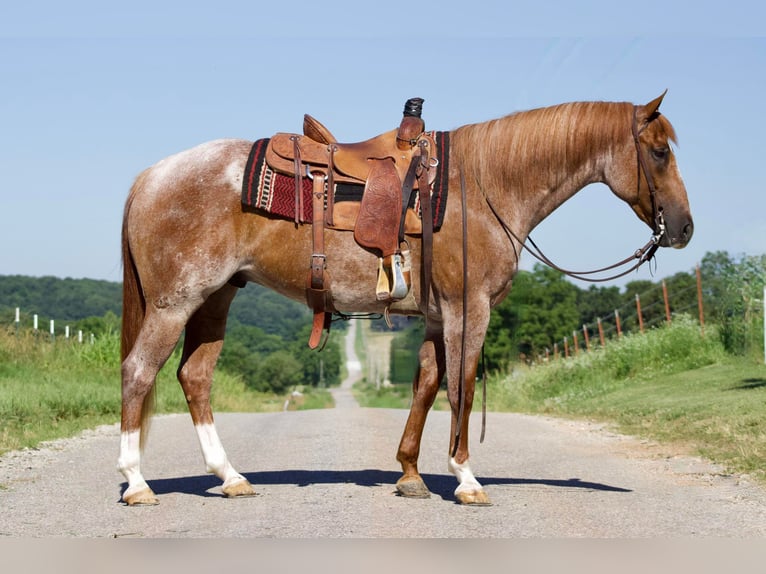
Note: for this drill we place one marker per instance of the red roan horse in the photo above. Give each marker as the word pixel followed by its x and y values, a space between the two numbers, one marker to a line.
pixel 185 235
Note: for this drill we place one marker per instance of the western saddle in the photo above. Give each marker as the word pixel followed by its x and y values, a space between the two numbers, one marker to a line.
pixel 391 167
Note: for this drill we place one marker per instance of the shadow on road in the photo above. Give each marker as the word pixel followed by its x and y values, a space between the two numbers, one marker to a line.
pixel 442 485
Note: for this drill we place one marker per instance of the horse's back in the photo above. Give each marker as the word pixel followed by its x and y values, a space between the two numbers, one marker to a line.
pixel 181 218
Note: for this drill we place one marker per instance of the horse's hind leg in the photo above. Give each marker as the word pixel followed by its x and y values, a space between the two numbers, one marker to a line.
pixel 159 334
pixel 431 367
pixel 202 346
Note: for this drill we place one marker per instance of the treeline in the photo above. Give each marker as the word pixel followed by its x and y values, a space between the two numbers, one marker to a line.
pixel 544 307
pixel 266 333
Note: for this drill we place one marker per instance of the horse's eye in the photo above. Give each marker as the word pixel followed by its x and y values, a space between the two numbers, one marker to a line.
pixel 660 153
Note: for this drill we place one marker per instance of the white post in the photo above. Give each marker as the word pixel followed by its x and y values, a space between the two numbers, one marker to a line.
pixel 79 336
pixel 34 317
pixel 66 331
pixel 17 315
pixel 53 331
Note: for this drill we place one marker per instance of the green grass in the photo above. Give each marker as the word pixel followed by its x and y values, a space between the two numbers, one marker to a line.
pixel 670 385
pixel 53 389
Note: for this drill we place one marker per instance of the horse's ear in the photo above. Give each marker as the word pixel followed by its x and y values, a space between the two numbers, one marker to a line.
pixel 651 110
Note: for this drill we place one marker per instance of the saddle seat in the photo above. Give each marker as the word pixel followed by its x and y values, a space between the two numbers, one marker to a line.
pixel 350 162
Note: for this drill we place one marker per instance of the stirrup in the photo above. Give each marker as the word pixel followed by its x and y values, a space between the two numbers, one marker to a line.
pixel 400 287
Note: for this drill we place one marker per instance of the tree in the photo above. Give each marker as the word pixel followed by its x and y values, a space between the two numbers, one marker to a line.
pixel 278 372
pixel 540 310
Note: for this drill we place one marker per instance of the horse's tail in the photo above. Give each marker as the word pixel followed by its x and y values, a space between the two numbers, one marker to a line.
pixel 133 305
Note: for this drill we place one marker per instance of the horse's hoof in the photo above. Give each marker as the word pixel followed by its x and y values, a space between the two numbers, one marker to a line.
pixel 412 487
pixel 142 497
pixel 240 489
pixel 473 498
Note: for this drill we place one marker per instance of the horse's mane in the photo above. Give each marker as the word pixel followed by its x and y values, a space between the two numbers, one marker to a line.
pixel 523 148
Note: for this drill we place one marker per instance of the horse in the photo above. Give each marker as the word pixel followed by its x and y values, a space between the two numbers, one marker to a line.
pixel 185 236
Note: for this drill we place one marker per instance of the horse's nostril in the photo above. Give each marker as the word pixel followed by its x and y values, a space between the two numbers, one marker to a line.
pixel 687 231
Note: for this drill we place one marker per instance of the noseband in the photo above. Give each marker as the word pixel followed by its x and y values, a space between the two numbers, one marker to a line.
pixel 640 256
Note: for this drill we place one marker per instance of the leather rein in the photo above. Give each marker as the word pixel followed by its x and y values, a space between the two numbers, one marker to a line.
pixel 640 256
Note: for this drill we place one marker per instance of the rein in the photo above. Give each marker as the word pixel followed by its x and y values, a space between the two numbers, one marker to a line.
pixel 641 256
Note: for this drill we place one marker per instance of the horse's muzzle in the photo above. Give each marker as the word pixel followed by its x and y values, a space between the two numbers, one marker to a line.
pixel 677 235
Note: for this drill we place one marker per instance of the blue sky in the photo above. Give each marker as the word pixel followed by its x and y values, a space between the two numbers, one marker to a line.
pixel 90 95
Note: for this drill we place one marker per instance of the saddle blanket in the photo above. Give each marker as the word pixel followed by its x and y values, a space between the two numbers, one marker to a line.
pixel 273 192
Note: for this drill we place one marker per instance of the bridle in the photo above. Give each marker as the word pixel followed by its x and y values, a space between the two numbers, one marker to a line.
pixel 640 256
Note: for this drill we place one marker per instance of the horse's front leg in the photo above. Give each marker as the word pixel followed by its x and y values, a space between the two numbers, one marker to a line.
pixel 461 393
pixel 202 346
pixel 431 367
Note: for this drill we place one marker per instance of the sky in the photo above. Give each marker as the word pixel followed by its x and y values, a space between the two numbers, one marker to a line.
pixel 92 94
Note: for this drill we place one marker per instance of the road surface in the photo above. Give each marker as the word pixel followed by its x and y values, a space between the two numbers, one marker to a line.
pixel 331 474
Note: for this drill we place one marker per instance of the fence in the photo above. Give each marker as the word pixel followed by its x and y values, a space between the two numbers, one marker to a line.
pixel 68 332
pixel 633 317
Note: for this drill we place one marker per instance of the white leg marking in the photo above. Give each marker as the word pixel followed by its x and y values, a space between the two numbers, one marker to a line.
pixel 465 477
pixel 215 457
pixel 130 460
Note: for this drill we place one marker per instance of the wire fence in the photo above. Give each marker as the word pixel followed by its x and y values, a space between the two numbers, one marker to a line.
pixel 649 309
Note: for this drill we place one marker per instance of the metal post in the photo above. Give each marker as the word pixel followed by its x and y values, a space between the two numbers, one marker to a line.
pixel 667 301
pixel 587 339
pixel 699 301
pixel 601 333
pixel 638 311
pixel 617 319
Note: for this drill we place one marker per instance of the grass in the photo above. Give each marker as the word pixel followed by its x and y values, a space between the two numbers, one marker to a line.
pixel 53 389
pixel 670 385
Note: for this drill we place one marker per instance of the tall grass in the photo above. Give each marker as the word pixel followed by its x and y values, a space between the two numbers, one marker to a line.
pixel 672 385
pixel 562 385
pixel 52 389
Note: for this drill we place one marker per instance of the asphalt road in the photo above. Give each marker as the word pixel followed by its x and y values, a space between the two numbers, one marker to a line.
pixel 331 474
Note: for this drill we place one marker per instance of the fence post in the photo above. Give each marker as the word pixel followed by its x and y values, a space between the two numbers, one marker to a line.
pixel 555 350
pixel 53 331
pixel 699 301
pixel 34 321
pixel 566 347
pixel 667 301
pixel 601 333
pixel 587 340
pixel 17 321
pixel 617 319
pixel 638 311
pixel 576 343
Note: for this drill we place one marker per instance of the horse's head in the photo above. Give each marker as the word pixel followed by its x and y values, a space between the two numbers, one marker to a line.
pixel 649 179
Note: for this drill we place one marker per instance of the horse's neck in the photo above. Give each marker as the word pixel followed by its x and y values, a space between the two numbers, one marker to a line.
pixel 531 163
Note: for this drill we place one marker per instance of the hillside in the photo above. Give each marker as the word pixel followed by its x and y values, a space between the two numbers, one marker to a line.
pixel 77 299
